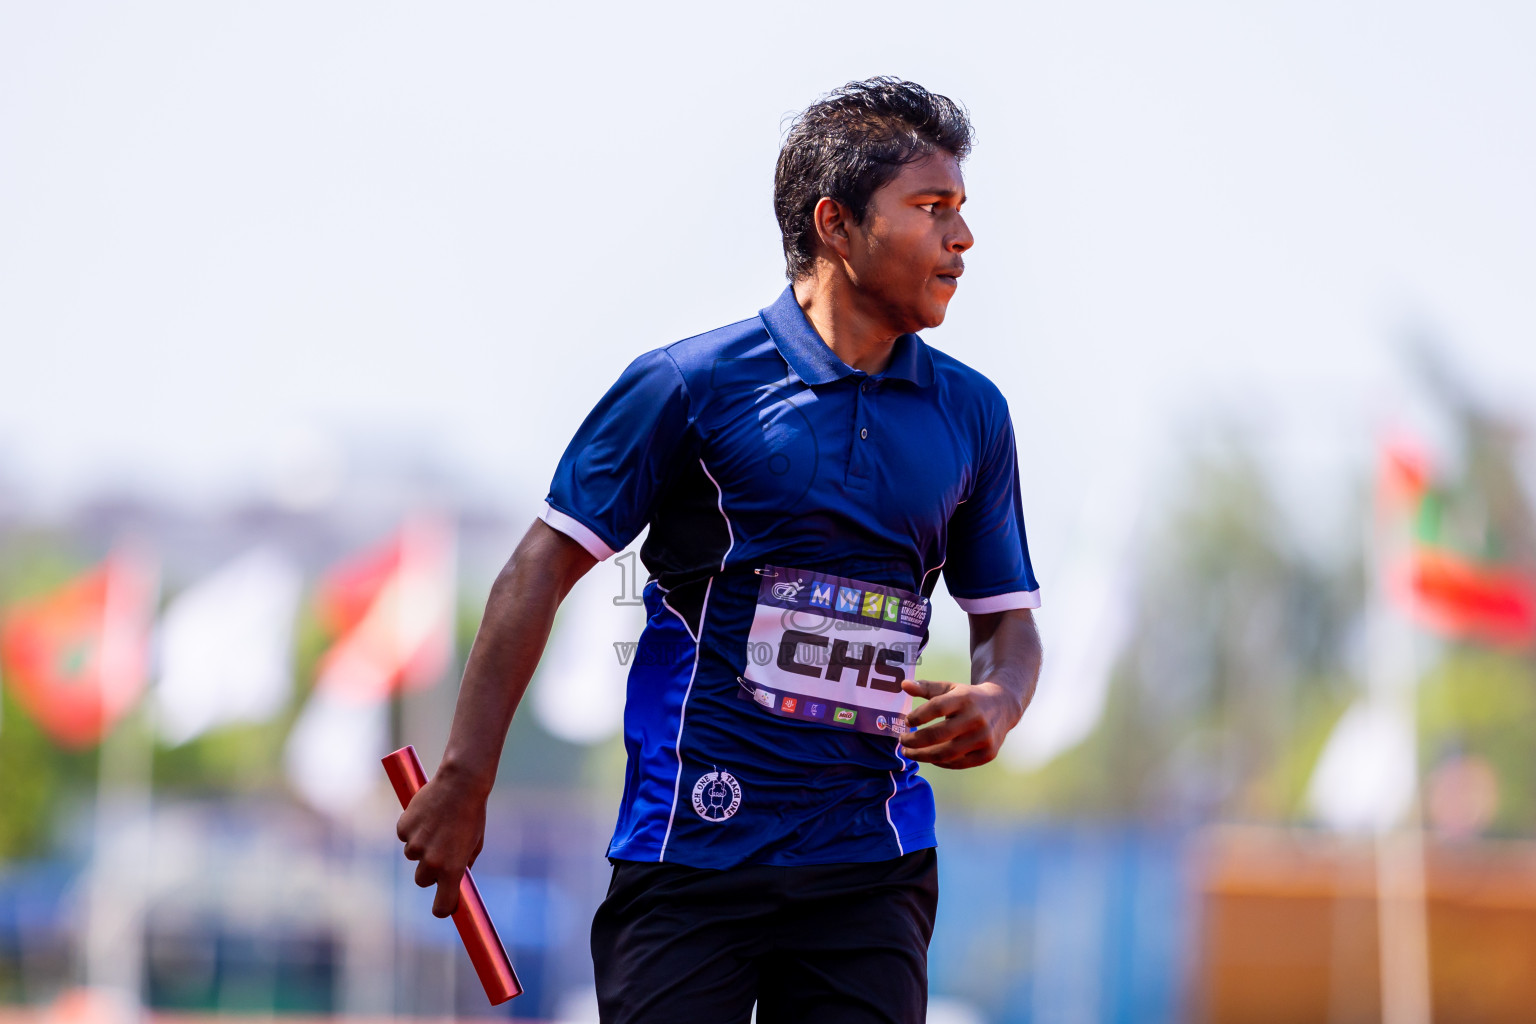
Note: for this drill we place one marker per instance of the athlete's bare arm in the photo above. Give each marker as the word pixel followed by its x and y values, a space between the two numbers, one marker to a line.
pixel 1005 662
pixel 445 825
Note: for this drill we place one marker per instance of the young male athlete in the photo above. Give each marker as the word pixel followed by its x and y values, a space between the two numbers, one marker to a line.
pixel 806 475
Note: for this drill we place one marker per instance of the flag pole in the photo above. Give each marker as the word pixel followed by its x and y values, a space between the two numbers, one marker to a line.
pixel 1401 908
pixel 113 947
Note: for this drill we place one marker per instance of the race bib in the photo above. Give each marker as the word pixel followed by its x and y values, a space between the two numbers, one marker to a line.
pixel 832 650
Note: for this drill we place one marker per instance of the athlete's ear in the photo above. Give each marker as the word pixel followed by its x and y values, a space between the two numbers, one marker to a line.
pixel 832 221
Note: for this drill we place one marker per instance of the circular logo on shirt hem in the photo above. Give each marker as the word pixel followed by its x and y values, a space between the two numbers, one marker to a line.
pixel 716 796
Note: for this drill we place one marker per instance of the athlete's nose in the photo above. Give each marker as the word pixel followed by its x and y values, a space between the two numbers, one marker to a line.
pixel 962 239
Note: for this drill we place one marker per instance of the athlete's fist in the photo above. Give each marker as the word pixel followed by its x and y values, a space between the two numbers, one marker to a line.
pixel 960 726
pixel 443 830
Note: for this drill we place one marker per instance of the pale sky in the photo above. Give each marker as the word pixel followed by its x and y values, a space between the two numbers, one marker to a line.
pixel 224 227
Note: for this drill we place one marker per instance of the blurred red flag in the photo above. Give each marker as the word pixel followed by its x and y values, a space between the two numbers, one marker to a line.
pixel 78 657
pixel 1459 598
pixel 391 609
pixel 1402 479
pixel 346 592
pixel 1446 592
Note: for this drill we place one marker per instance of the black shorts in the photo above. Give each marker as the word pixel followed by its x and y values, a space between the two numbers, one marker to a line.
pixel 844 943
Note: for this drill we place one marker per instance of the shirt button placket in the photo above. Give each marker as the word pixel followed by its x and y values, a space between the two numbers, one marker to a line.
pixel 858 458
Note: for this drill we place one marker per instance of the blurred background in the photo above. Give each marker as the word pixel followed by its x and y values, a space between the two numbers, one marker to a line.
pixel 299 304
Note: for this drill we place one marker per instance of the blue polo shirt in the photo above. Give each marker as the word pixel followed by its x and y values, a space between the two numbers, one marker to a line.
pixel 800 512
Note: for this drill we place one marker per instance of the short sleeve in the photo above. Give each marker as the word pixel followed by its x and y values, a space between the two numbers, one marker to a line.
pixel 987 566
pixel 620 457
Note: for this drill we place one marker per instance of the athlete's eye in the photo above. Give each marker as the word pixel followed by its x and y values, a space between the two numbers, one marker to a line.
pixel 930 207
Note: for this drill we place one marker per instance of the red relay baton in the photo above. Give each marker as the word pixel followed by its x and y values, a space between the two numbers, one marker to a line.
pixel 480 939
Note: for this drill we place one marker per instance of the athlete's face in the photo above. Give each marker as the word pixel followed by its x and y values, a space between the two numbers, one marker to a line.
pixel 906 255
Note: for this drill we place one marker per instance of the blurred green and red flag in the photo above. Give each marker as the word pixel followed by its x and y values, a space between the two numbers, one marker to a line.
pixel 77 658
pixel 1445 591
pixel 391 612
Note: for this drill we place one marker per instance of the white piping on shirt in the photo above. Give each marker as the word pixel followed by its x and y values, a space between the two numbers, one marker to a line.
pixel 730 533
pixel 682 714
pixel 899 848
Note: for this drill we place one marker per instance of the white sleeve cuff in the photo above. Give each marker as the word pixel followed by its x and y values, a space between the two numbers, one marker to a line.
pixel 999 602
pixel 577 531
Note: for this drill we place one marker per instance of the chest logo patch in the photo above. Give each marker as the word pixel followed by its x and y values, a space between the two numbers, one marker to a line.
pixel 716 796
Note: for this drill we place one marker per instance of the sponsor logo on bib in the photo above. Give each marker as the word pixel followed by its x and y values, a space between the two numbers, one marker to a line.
pixel 789 591
pixel 845 716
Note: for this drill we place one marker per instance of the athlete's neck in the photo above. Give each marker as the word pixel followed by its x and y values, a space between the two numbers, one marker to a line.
pixel 839 312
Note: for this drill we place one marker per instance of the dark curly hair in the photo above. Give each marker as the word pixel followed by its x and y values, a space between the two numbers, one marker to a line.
pixel 849 144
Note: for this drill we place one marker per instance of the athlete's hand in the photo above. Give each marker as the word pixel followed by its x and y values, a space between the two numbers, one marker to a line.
pixel 968 722
pixel 443 830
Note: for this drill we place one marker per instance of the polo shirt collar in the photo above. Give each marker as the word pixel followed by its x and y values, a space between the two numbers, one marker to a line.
pixel 815 362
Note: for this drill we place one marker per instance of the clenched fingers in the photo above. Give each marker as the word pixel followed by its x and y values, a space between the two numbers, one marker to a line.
pixel 447 899
pixel 427 874
pixel 430 873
